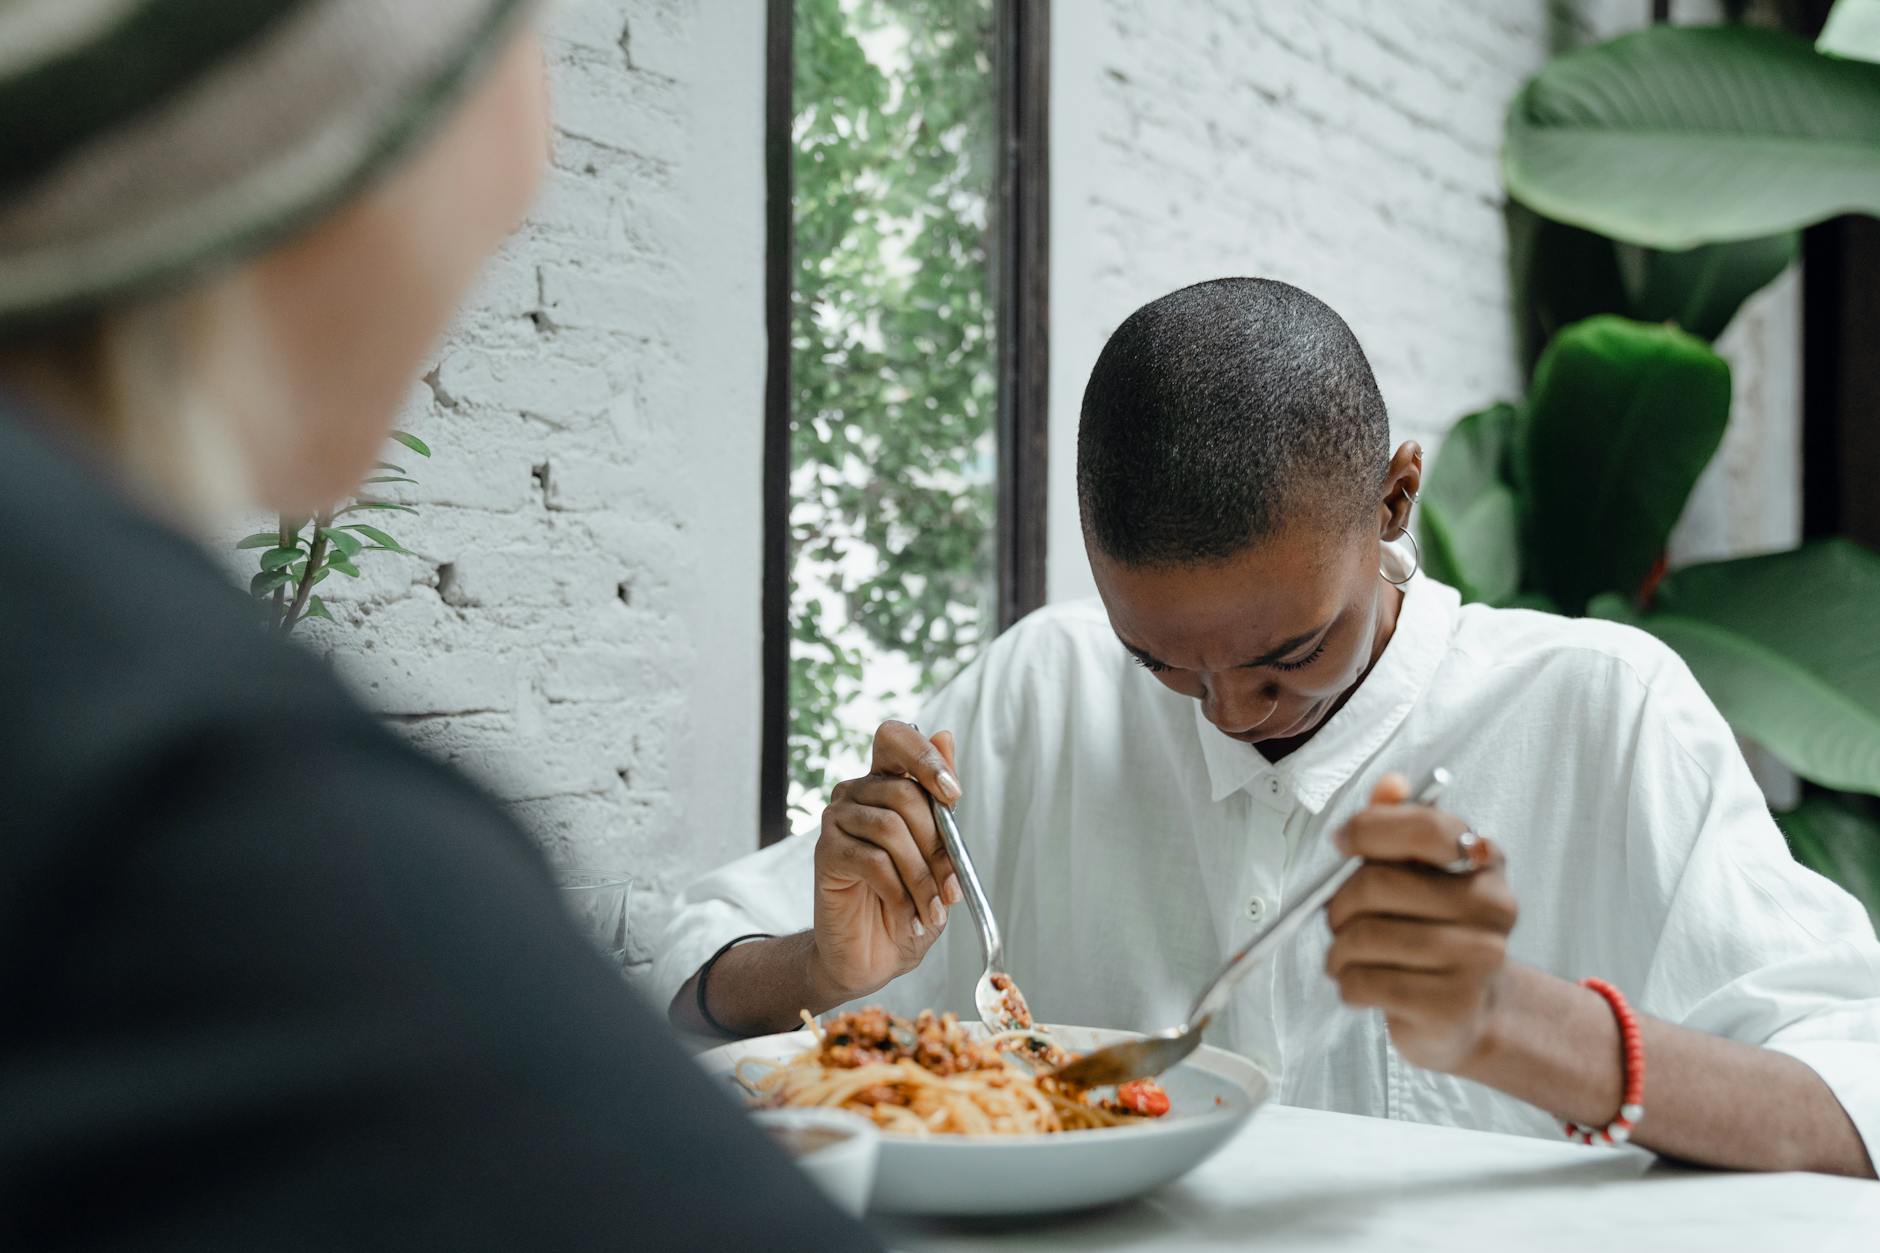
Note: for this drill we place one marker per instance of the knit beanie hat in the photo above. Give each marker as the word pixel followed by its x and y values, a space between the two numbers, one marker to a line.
pixel 145 141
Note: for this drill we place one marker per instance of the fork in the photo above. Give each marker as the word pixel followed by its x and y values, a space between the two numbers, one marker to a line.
pixel 1153 1054
pixel 995 1004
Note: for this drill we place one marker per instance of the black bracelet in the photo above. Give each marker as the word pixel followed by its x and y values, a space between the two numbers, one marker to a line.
pixel 705 973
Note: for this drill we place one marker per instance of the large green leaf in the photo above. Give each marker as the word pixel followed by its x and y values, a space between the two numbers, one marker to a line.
pixel 1560 274
pixel 1563 274
pixel 1852 30
pixel 1788 646
pixel 1677 136
pixel 1839 836
pixel 1622 418
pixel 1700 289
pixel 1471 524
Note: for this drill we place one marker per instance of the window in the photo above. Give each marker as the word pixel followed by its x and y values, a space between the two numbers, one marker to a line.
pixel 1841 380
pixel 905 449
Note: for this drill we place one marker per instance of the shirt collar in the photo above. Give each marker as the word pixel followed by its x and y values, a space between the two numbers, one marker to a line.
pixel 1357 731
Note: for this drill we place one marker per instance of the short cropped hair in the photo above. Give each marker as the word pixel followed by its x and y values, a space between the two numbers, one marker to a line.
pixel 1221 412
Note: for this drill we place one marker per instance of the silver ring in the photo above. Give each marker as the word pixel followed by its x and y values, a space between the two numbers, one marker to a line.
pixel 1470 854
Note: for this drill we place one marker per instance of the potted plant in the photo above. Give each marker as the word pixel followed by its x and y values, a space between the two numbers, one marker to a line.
pixel 1659 180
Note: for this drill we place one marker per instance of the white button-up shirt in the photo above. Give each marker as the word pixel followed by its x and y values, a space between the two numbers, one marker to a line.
pixel 1127 846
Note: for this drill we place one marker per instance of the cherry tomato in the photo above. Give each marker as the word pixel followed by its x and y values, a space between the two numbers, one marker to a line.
pixel 1144 1096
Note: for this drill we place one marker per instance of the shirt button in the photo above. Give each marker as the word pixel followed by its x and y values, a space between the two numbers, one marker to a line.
pixel 1272 785
pixel 1256 908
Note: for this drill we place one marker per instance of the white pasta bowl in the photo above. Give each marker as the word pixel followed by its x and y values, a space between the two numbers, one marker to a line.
pixel 1211 1094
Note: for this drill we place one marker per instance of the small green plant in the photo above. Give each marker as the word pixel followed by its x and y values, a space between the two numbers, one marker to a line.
pixel 299 555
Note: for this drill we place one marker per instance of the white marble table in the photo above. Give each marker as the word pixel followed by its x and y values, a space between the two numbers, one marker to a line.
pixel 1304 1179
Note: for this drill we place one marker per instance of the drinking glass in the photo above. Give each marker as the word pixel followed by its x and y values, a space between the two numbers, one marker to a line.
pixel 599 904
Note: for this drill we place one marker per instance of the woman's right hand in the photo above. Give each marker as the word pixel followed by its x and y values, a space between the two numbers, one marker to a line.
pixel 883 877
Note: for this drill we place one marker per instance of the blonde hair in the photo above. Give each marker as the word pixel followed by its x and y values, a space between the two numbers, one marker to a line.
pixel 147 384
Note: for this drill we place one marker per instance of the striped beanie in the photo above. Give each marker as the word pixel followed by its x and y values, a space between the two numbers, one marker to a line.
pixel 144 141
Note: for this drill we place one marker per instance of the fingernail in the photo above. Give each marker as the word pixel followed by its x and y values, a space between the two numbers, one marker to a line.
pixel 937 912
pixel 918 929
pixel 952 889
pixel 949 786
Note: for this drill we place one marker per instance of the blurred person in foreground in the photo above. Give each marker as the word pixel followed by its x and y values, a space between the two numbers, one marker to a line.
pixel 271 979
pixel 1151 777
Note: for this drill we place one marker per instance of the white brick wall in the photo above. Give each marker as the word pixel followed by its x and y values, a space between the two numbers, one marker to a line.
pixel 1347 146
pixel 581 627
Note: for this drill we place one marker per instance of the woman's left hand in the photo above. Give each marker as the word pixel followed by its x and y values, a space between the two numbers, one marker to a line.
pixel 1426 946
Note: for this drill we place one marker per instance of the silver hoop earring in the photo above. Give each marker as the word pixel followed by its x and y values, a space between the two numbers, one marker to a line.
pixel 1416 561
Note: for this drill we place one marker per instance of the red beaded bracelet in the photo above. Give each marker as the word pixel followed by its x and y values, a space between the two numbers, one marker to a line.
pixel 1632 1104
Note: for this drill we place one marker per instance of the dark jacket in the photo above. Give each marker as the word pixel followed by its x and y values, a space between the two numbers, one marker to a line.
pixel 269 979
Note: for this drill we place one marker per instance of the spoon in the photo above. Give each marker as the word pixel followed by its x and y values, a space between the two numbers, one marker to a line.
pixel 1153 1054
pixel 1000 1004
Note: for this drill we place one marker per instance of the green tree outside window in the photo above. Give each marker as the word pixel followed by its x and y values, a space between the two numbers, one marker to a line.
pixel 893 367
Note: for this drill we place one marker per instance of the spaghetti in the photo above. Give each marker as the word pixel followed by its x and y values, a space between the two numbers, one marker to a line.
pixel 931 1077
